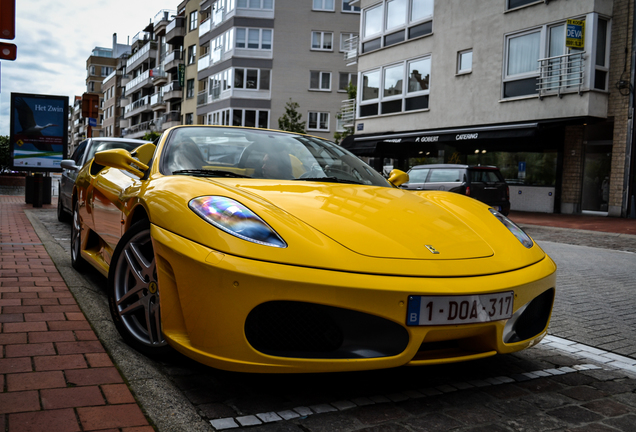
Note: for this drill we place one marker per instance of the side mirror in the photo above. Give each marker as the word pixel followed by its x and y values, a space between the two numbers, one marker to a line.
pixel 69 164
pixel 398 177
pixel 144 153
pixel 120 159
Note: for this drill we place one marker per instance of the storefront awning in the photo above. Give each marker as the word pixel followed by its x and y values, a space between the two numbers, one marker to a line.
pixel 400 144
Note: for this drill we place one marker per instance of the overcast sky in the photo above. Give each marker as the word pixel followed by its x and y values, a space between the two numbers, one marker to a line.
pixel 55 37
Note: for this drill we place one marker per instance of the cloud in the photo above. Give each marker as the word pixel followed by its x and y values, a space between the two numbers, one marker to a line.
pixel 56 37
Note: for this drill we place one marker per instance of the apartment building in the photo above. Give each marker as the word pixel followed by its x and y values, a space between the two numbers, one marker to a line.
pixel 256 55
pixel 543 89
pixel 113 90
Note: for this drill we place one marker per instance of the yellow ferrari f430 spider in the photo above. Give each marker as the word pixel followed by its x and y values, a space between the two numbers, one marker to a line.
pixel 264 251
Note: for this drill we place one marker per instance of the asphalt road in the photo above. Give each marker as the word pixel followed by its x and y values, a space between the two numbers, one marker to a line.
pixel 593 306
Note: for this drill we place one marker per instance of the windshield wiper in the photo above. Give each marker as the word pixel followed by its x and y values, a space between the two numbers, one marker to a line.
pixel 329 180
pixel 210 173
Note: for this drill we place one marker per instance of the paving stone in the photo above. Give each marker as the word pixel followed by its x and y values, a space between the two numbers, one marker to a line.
pixel 71 397
pixel 379 413
pixel 625 423
pixel 13 402
pixel 249 420
pixel 63 420
pixel 432 423
pixel 117 394
pixel 111 416
pixel 583 393
pixel 15 365
pixel 93 376
pixel 35 381
pixel 608 407
pixel 574 415
pixel 225 423
pixel 59 362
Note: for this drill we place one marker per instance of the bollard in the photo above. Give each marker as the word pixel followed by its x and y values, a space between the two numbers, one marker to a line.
pixel 38 183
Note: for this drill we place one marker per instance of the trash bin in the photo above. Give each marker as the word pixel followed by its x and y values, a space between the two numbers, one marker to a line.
pixel 46 189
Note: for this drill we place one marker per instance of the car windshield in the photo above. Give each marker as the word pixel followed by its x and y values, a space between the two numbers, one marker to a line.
pixel 98 146
pixel 262 154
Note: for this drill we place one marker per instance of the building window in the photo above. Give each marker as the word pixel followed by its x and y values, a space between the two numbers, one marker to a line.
pixel 91 70
pixel 189 118
pixel 394 21
pixel 106 71
pixel 318 121
pixel 190 89
pixel 601 69
pixel 255 4
pixel 344 37
pixel 320 80
pixel 91 86
pixel 465 61
pixel 322 41
pixel 252 38
pixel 346 7
pixel 250 118
pixel 511 4
pixel 384 92
pixel 345 78
pixel 192 54
pixel 324 5
pixel 193 20
pixel 255 79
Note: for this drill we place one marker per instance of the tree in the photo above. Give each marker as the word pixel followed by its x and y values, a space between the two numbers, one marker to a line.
pixel 151 136
pixel 290 121
pixel 5 154
pixel 351 93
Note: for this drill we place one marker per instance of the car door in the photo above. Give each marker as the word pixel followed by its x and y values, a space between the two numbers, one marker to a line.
pixel 417 178
pixel 106 207
pixel 67 179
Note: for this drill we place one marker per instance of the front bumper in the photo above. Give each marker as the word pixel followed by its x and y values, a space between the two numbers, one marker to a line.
pixel 209 301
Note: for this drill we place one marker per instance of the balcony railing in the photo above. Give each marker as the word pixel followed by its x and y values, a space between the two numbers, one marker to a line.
pixel 205 27
pixel 351 50
pixel 217 16
pixel 559 74
pixel 172 86
pixel 217 54
pixel 172 116
pixel 172 56
pixel 136 104
pixel 204 62
pixel 158 73
pixel 134 82
pixel 140 127
pixel 348 112
pixel 156 99
pixel 142 35
pixel 144 49
pixel 163 15
pixel 202 98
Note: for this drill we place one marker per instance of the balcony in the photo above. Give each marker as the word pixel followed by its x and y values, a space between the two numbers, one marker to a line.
pixel 138 106
pixel 218 16
pixel 173 60
pixel 159 76
pixel 157 102
pixel 145 52
pixel 202 98
pixel 203 63
pixel 347 113
pixel 205 27
pixel 124 123
pixel 140 129
pixel 561 74
pixel 140 37
pixel 143 80
pixel 351 50
pixel 170 119
pixel 172 91
pixel 162 17
pixel 175 31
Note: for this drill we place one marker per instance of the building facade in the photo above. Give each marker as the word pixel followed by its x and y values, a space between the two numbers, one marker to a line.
pixel 540 88
pixel 258 55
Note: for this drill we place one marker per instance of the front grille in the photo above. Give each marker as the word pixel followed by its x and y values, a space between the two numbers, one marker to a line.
pixel 309 330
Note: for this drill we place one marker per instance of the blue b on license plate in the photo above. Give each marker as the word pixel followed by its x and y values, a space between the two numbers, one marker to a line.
pixel 453 310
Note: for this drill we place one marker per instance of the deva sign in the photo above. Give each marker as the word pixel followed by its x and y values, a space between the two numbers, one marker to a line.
pixel 575 34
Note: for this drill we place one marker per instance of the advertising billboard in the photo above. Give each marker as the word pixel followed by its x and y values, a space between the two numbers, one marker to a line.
pixel 39 131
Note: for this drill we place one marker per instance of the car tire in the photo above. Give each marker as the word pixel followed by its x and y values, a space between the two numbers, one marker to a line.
pixel 77 261
pixel 62 215
pixel 133 292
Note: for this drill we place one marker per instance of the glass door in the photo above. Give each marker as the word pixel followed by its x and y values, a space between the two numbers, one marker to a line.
pixel 596 172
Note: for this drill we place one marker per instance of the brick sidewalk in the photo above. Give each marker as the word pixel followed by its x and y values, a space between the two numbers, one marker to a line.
pixel 54 373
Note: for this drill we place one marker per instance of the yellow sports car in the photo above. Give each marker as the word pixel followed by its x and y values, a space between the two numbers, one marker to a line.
pixel 265 251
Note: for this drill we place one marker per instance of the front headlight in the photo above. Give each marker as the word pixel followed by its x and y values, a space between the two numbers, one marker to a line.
pixel 514 229
pixel 234 218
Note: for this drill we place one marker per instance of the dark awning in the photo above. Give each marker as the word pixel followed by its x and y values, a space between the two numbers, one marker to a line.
pixel 401 144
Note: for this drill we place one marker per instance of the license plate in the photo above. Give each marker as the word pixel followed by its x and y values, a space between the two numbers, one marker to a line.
pixel 453 310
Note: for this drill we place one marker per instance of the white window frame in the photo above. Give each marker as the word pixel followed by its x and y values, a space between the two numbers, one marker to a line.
pixel 405 92
pixel 320 80
pixel 243 110
pixel 320 115
pixel 408 23
pixel 352 9
pixel 249 2
pixel 343 38
pixel 606 66
pixel 192 52
pixel 258 79
pixel 459 62
pixel 323 6
pixel 528 3
pixel 322 35
pixel 542 51
pixel 194 20
pixel 261 31
pixel 350 75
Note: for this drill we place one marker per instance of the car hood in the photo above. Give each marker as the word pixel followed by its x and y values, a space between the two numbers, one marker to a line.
pixel 379 222
pixel 354 228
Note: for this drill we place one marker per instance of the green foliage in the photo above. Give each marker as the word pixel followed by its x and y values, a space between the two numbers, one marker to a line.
pixel 151 136
pixel 5 155
pixel 290 121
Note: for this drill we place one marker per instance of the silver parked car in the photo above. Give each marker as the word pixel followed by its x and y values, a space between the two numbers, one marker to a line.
pixel 482 182
pixel 84 152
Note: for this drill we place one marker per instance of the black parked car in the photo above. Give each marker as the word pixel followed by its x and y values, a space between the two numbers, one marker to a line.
pixel 84 152
pixel 484 183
